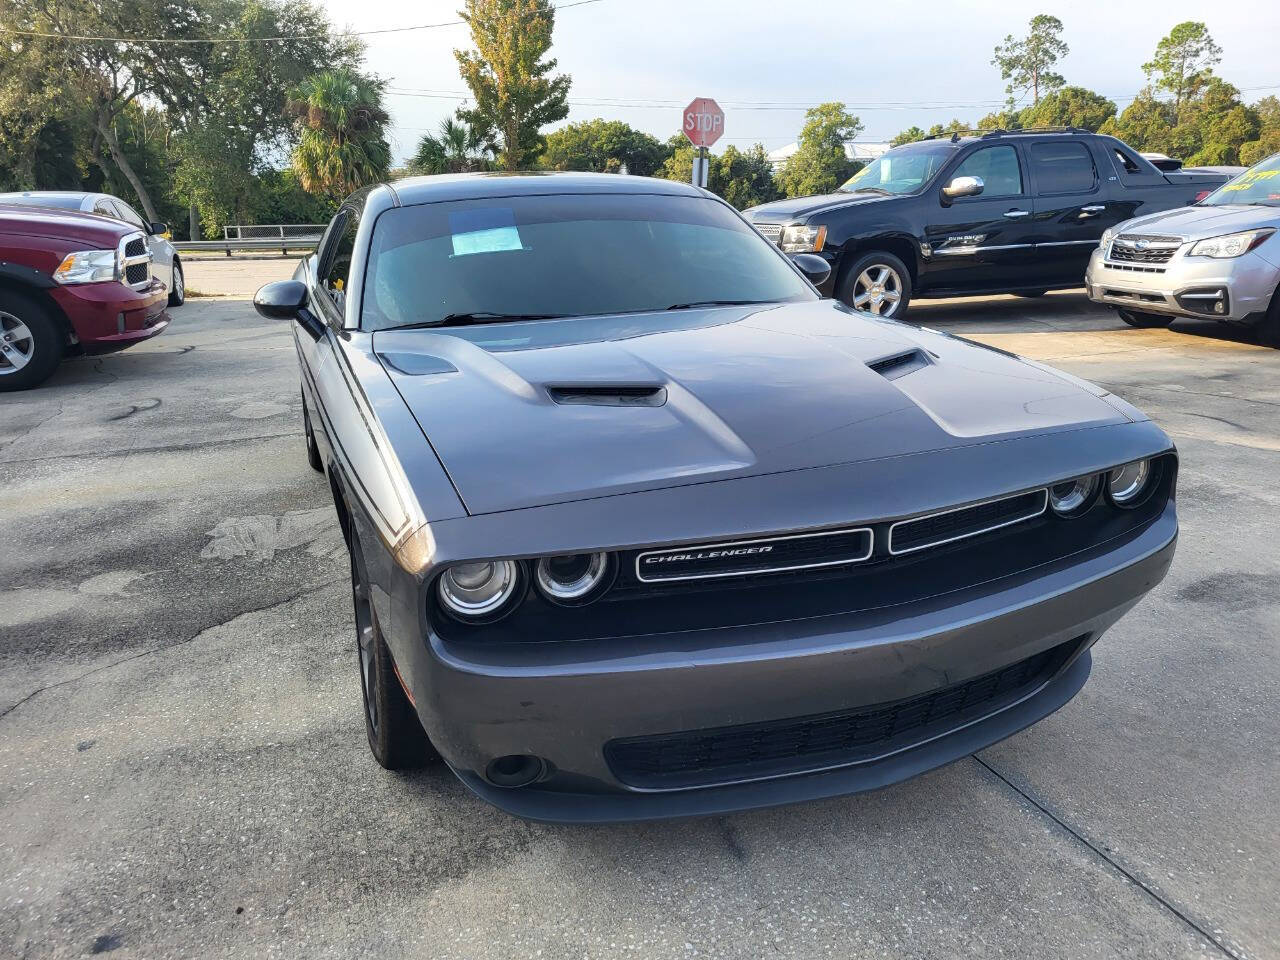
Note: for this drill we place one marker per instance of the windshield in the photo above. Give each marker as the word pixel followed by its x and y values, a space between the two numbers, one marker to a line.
pixel 1259 185
pixel 902 170
pixel 565 255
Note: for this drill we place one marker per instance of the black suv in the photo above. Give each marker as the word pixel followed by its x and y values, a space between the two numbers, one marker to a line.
pixel 995 212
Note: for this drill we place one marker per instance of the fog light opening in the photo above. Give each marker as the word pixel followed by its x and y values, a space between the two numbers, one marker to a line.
pixel 515 770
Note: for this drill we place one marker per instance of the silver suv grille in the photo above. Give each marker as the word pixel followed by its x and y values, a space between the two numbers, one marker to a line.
pixel 1140 249
pixel 137 261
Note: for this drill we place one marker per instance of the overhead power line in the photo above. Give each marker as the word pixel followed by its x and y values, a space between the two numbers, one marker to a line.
pixel 292 36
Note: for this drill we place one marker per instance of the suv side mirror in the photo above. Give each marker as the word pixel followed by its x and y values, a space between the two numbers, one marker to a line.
pixel 812 266
pixel 963 187
pixel 158 229
pixel 287 300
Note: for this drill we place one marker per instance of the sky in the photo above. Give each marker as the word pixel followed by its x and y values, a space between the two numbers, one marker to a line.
pixel 893 65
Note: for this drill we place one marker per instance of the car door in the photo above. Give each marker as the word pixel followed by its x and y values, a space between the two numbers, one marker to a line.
pixel 981 242
pixel 1072 207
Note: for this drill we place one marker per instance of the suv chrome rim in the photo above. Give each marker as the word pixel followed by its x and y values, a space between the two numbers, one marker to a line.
pixel 16 344
pixel 878 290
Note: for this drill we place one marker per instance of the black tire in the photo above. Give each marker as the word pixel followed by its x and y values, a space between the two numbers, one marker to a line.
pixel 313 451
pixel 1030 293
pixel 395 735
pixel 1144 321
pixel 31 345
pixel 1269 329
pixel 856 292
pixel 178 295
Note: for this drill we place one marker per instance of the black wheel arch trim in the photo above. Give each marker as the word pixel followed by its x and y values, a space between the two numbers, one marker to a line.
pixel 26 275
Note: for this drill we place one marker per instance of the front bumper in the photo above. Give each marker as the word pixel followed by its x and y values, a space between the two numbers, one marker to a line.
pixel 478 702
pixel 111 316
pixel 1186 287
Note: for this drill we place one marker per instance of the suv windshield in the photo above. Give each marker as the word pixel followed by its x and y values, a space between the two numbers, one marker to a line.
pixel 1259 185
pixel 530 257
pixel 902 170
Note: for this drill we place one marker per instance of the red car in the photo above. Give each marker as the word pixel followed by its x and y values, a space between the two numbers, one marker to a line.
pixel 71 283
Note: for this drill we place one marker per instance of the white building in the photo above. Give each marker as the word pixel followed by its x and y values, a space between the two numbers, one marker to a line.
pixel 854 150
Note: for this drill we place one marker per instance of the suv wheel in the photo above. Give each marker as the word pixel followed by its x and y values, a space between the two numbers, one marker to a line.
pixel 878 283
pixel 1269 329
pixel 178 295
pixel 1144 321
pixel 30 343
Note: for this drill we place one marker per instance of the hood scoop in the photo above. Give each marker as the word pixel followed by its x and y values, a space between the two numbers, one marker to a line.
pixel 900 364
pixel 609 395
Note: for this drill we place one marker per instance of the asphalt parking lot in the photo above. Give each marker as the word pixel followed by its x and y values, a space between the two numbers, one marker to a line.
pixel 182 761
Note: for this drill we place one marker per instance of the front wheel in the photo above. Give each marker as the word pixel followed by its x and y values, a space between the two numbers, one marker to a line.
pixel 178 295
pixel 1144 321
pixel 877 283
pixel 30 343
pixel 1269 329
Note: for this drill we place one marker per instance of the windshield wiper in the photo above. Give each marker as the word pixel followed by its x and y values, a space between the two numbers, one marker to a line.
pixel 716 303
pixel 480 316
pixel 887 193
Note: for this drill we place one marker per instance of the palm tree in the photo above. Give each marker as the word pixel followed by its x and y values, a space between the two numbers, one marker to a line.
pixel 457 148
pixel 342 147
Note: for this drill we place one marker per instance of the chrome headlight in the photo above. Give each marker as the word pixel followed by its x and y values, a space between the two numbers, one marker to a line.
pixel 473 591
pixel 802 239
pixel 1126 484
pixel 1073 496
pixel 569 578
pixel 89 266
pixel 1231 245
pixel 1107 236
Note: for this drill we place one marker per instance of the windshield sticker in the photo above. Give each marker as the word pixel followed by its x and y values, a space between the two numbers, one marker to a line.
pixel 1246 180
pixel 484 231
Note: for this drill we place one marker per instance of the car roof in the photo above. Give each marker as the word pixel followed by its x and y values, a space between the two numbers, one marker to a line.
pixel 61 194
pixel 476 186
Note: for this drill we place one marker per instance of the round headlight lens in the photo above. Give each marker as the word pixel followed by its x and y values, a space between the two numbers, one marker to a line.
pixel 571 577
pixel 1070 496
pixel 1126 483
pixel 474 590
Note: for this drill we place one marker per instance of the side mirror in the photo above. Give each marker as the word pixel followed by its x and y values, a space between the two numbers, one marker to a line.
pixel 963 187
pixel 158 229
pixel 815 269
pixel 287 300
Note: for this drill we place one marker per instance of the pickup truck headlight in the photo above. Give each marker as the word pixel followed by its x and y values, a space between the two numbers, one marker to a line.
pixel 802 239
pixel 89 266
pixel 1232 245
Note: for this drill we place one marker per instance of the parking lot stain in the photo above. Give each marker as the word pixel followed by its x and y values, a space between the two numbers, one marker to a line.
pixel 1232 587
pixel 261 537
pixel 148 404
pixel 106 943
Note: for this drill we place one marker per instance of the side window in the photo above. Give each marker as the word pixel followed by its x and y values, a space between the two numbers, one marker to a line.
pixel 1063 167
pixel 129 215
pixel 335 262
pixel 997 167
pixel 1126 162
pixel 105 208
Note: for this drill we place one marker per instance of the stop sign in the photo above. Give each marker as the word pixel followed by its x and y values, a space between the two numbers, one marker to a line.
pixel 703 122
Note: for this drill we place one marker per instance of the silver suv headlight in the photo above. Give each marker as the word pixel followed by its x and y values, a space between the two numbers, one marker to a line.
pixel 89 266
pixel 1231 245
pixel 1106 238
pixel 802 239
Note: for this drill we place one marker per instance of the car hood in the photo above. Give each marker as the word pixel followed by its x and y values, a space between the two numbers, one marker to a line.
pixel 787 211
pixel 84 229
pixel 532 413
pixel 1198 223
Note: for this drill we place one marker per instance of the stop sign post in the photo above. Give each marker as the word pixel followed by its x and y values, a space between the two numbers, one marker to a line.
pixel 703 124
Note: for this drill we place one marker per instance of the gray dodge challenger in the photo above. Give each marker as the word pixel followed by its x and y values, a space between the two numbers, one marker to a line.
pixel 641 526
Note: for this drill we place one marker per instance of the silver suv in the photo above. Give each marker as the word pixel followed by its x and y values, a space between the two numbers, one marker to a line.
pixel 1219 258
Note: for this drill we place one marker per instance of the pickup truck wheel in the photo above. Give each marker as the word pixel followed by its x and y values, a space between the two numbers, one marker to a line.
pixel 878 283
pixel 30 343
pixel 313 451
pixel 390 721
pixel 1145 321
pixel 178 295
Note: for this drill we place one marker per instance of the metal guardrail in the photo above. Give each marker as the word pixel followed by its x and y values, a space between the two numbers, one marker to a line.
pixel 263 231
pixel 298 244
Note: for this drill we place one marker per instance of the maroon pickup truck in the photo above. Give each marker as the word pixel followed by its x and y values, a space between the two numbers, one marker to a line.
pixel 70 283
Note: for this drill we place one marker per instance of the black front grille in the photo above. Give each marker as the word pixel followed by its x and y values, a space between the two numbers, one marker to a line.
pixel 1144 249
pixel 760 555
pixel 136 248
pixel 782 747
pixel 136 273
pixel 939 528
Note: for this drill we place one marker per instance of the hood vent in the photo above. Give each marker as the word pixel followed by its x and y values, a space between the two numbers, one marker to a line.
pixel 610 395
pixel 900 364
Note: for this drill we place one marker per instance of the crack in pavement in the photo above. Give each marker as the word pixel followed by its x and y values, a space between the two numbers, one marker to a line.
pixel 1140 387
pixel 1104 854
pixel 168 646
pixel 161 448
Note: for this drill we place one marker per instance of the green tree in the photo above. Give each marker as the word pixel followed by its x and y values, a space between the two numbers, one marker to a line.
pixel 1222 124
pixel 1146 124
pixel 909 135
pixel 603 146
pixel 1069 107
pixel 742 177
pixel 955 126
pixel 1184 61
pixel 1268 139
pixel 455 148
pixel 515 94
pixel 1028 63
pixel 342 146
pixel 820 164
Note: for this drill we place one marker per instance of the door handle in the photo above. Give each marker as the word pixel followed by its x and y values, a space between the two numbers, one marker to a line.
pixel 1095 208
pixel 1018 214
